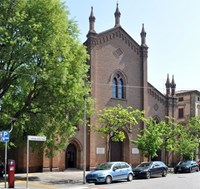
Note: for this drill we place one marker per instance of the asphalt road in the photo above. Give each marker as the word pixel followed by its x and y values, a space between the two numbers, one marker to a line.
pixel 74 180
pixel 172 181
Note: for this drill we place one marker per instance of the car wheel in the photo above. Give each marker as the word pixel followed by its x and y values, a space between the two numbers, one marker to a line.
pixel 148 175
pixel 108 180
pixel 164 173
pixel 130 177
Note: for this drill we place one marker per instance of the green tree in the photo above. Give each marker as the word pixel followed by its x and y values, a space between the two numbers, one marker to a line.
pixel 185 145
pixel 150 138
pixel 113 120
pixel 43 69
pixel 194 126
pixel 179 139
pixel 171 131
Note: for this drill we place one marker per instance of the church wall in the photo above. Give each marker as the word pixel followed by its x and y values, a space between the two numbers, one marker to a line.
pixel 106 59
pixel 156 104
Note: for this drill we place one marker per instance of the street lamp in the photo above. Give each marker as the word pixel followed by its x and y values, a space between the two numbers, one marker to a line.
pixel 84 141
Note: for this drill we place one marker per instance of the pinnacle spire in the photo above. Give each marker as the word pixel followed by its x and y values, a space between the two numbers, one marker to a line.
pixel 173 86
pixel 117 16
pixel 143 36
pixel 168 85
pixel 92 21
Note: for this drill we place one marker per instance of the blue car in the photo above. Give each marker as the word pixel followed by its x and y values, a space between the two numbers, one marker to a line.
pixel 109 172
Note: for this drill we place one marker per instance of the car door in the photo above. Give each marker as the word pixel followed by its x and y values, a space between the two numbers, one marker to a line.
pixel 117 171
pixel 160 168
pixel 155 169
pixel 125 170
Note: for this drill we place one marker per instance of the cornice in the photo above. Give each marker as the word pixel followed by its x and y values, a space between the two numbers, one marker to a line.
pixel 112 34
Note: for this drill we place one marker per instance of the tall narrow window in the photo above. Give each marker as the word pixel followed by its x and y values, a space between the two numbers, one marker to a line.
pixel 118 87
pixel 114 88
pixel 180 113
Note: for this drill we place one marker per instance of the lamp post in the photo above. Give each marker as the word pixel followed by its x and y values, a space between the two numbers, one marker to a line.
pixel 109 144
pixel 84 141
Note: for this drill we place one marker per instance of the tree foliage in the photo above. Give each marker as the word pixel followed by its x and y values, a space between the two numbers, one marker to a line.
pixel 114 120
pixel 43 70
pixel 194 126
pixel 187 139
pixel 150 139
pixel 185 145
pixel 170 136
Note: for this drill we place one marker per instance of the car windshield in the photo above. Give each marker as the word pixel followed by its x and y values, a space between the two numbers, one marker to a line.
pixel 184 163
pixel 104 166
pixel 148 164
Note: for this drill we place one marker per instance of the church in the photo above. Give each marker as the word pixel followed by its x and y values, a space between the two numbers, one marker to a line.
pixel 118 75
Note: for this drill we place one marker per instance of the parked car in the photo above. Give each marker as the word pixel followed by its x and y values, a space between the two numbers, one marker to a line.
pixel 186 166
pixel 150 169
pixel 109 172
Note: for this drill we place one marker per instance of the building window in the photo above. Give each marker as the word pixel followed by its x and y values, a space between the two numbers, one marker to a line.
pixel 180 113
pixel 120 89
pixel 117 87
pixel 114 88
pixel 180 99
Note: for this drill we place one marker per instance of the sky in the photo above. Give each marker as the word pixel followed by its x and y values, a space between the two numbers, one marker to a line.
pixel 173 34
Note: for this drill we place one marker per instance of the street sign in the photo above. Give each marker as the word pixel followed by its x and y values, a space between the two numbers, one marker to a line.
pixel 4 136
pixel 36 138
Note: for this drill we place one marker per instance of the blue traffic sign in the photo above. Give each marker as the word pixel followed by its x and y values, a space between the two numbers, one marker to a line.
pixel 4 136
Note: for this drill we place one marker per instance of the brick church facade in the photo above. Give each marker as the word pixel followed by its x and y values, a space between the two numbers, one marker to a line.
pixel 118 75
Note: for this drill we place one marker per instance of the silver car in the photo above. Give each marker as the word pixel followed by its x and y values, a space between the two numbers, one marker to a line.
pixel 110 171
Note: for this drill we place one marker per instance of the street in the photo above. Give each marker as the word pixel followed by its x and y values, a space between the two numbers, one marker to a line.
pixel 172 181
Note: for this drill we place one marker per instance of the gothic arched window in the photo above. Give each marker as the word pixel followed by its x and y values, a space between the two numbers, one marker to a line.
pixel 114 88
pixel 117 87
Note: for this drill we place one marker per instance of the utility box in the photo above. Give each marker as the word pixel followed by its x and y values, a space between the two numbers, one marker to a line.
pixel 11 173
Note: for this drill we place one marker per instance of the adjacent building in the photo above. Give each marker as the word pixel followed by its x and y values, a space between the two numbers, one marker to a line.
pixel 188 105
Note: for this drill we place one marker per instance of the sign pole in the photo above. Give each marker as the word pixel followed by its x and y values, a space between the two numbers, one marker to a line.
pixel 4 137
pixel 27 162
pixel 5 163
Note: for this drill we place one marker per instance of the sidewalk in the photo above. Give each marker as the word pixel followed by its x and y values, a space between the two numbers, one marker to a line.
pixel 71 178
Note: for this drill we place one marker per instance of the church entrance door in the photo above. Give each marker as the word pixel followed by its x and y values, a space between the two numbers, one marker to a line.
pixel 116 151
pixel 71 156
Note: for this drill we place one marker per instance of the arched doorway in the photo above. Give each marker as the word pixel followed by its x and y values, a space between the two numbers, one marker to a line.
pixel 116 151
pixel 71 156
pixel 120 151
